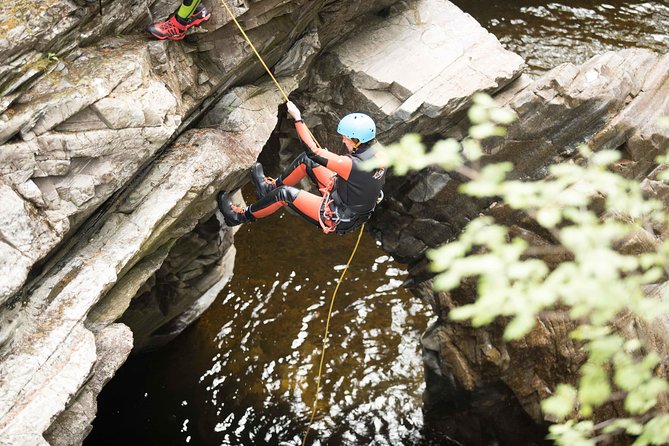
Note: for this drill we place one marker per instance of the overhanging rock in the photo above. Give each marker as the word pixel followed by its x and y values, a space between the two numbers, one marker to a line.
pixel 412 71
pixel 611 101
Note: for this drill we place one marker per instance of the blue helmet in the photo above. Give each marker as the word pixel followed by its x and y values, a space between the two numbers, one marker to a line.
pixel 358 126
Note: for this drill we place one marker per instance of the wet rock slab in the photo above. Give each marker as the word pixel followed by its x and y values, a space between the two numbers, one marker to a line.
pixel 613 101
pixel 413 71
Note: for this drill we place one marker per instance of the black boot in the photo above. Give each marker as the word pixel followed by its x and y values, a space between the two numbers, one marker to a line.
pixel 264 185
pixel 233 215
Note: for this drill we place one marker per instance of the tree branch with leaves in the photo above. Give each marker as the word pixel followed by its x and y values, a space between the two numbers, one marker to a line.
pixel 589 211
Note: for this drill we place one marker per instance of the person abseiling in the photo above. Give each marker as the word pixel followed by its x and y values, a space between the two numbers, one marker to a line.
pixel 348 193
pixel 190 13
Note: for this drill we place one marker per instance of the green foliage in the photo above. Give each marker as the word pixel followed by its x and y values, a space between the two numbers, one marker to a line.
pixel 628 425
pixel 594 388
pixel 572 433
pixel 561 404
pixel 590 212
pixel 656 431
pixel 51 57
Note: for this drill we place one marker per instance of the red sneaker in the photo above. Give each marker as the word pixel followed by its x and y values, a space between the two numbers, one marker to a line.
pixel 173 30
pixel 169 29
pixel 200 15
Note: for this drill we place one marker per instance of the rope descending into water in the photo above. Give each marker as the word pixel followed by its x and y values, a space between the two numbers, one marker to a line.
pixel 325 335
pixel 355 248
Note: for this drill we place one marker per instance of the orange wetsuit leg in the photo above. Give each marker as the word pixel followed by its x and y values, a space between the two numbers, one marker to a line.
pixel 306 204
pixel 303 166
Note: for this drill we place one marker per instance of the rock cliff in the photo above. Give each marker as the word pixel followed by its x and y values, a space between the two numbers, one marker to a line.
pixel 114 147
pixel 108 188
pixel 612 101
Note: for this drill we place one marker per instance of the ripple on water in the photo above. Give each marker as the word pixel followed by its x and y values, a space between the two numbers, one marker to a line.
pixel 548 34
pixel 248 368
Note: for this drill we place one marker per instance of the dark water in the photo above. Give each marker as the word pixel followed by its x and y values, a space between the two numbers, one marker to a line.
pixel 245 373
pixel 547 34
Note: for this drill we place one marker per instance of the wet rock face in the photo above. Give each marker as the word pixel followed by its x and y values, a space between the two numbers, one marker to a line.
pixel 108 189
pixel 609 102
pixel 70 136
pixel 113 344
pixel 32 33
pixel 413 69
pixel 108 202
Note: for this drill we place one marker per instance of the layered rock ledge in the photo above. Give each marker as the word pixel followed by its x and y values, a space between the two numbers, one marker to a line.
pixel 114 147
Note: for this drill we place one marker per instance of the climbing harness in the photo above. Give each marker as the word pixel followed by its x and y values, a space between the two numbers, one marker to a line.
pixel 355 248
pixel 338 219
pixel 326 210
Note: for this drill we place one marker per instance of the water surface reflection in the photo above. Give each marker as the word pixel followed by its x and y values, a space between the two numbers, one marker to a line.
pixel 547 34
pixel 245 373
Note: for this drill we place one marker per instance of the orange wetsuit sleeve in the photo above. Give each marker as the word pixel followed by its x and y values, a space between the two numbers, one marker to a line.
pixel 339 164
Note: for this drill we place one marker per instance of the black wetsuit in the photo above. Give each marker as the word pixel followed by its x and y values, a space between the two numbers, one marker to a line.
pixel 348 193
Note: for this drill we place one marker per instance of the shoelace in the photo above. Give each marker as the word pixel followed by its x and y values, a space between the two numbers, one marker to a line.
pixel 237 209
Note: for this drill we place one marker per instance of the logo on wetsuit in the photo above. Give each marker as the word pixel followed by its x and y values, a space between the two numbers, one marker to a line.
pixel 378 173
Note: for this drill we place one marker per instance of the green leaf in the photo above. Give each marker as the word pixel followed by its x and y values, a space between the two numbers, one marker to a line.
pixel 489 181
pixel 644 398
pixel 502 116
pixel 447 154
pixel 655 432
pixel 483 99
pixel 446 281
pixel 486 130
pixel 549 217
pixel 605 157
pixel 594 388
pixel 561 403
pixel 572 434
pixel 519 326
pixel 603 348
pixel 478 114
pixel 632 345
pixel 629 425
pixel 584 150
pixel 630 375
pixel 463 313
pixel 663 176
pixel 586 332
pixel 471 148
pixel 496 173
pixel 443 257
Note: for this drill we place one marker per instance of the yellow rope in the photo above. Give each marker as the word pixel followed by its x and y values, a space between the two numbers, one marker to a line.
pixel 285 96
pixel 232 16
pixel 355 248
pixel 325 335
